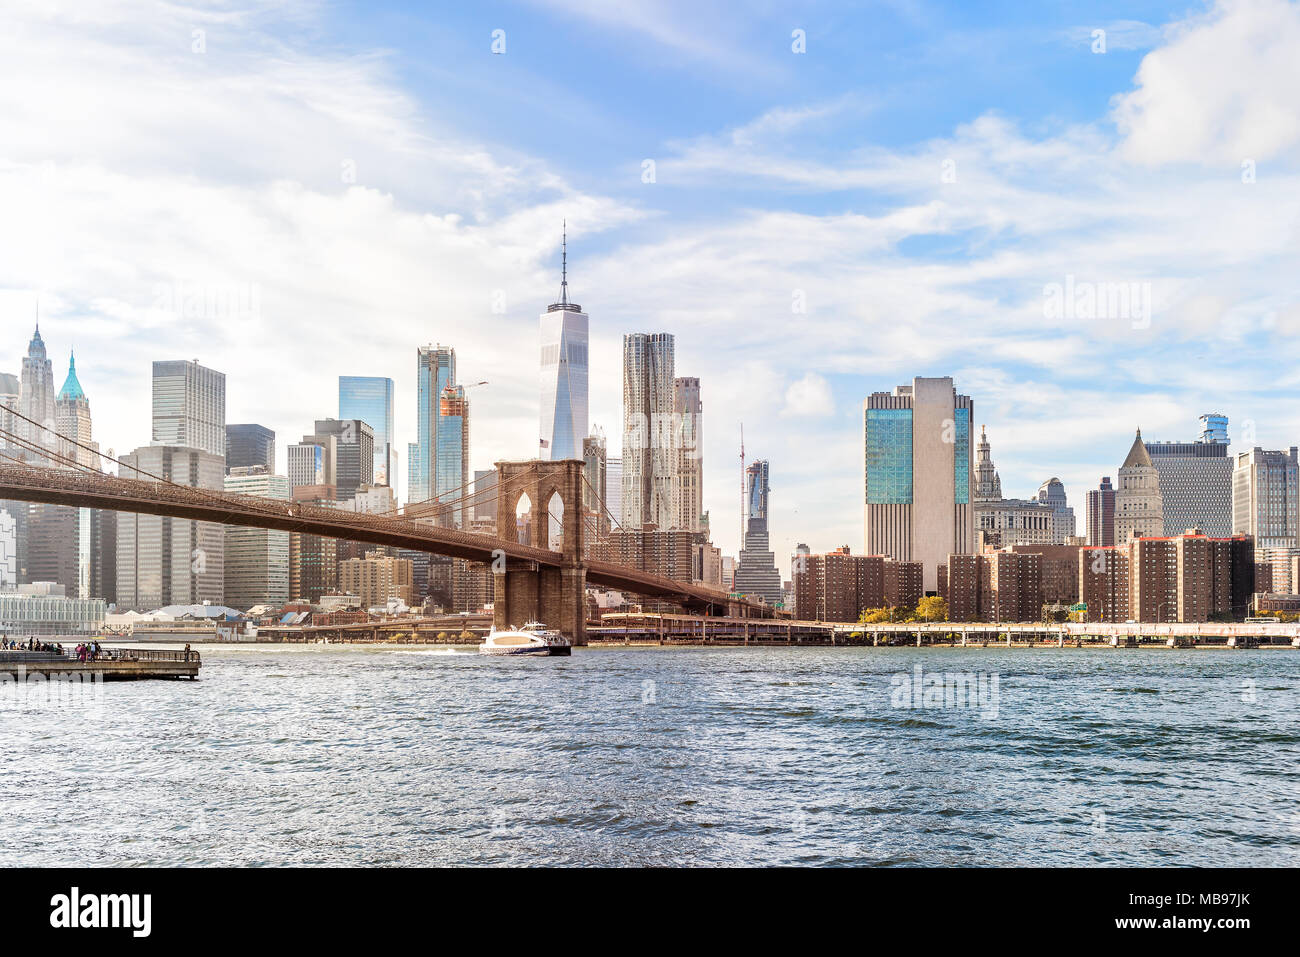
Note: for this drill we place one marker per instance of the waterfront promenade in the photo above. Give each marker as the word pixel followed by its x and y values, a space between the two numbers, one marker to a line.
pixel 114 664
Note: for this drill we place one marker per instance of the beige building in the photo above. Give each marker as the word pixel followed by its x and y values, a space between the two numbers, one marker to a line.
pixel 377 578
pixel 918 475
pixel 1139 507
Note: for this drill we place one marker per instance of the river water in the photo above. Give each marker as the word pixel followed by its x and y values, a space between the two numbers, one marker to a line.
pixel 287 755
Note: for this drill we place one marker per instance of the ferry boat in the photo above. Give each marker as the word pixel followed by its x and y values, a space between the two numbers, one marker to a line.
pixel 533 639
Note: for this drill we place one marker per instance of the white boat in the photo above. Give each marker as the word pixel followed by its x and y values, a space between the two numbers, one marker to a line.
pixel 532 639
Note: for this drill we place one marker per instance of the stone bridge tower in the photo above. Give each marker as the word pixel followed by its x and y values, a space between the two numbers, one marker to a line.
pixel 526 591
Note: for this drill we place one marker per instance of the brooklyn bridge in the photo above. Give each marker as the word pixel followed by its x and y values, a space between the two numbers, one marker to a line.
pixel 530 582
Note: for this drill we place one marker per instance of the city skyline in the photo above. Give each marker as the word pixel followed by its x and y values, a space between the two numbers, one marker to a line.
pixel 857 228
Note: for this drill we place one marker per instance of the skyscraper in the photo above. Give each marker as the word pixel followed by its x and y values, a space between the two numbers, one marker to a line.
pixel 75 549
pixel 435 370
pixel 563 422
pixel 1101 514
pixel 37 400
pixel 614 488
pixel 248 446
pixel 1196 480
pixel 189 406
pixel 688 454
pixel 756 572
pixel 1052 494
pixel 353 458
pixel 308 465
pixel 11 397
pixel 451 459
pixel 595 471
pixel 370 399
pixel 256 559
pixel 1139 508
pixel 918 475
pixel 72 420
pixel 649 394
pixel 1265 496
pixel 171 561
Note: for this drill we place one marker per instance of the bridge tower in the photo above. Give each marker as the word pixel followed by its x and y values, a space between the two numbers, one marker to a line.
pixel 525 591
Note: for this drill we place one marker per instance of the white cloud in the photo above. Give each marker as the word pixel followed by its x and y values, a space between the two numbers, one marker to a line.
pixel 809 396
pixel 1221 91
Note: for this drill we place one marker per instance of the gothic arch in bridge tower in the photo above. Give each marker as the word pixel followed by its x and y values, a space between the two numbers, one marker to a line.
pixel 528 590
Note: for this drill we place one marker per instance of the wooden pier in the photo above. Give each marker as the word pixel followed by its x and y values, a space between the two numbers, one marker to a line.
pixel 117 664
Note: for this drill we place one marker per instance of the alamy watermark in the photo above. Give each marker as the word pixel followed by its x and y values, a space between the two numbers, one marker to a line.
pixel 1098 300
pixel 970 690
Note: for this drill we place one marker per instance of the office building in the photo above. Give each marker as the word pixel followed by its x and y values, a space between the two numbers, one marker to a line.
pixel 37 401
pixel 1101 513
pixel 756 571
pixel 451 459
pixel 76 441
pixel 614 488
pixel 1196 480
pixel 918 474
pixel 370 399
pixel 595 472
pixel 313 559
pixel 999 522
pixel 1265 493
pixel 485 496
pixel 171 561
pixel 563 418
pixel 189 407
pixel 256 559
pixel 1139 507
pixel 250 446
pixel 349 446
pixel 435 370
pixel 688 454
pixel 649 394
pixel 39 609
pixel 1052 495
pixel 309 463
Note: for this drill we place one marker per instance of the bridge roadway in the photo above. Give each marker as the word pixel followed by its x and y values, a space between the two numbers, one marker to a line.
pixel 87 490
pixel 688 628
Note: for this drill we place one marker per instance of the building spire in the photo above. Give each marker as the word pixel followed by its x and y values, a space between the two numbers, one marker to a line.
pixel 564 262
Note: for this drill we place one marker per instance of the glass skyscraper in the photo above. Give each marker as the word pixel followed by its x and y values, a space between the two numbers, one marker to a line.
pixel 451 460
pixel 917 474
pixel 436 369
pixel 563 421
pixel 370 399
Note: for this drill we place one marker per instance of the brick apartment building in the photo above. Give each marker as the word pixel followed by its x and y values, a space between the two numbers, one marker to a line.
pixel 838 586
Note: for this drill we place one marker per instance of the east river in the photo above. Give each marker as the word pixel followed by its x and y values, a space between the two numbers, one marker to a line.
pixel 314 755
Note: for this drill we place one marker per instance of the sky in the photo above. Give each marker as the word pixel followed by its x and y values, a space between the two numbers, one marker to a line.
pixel 819 200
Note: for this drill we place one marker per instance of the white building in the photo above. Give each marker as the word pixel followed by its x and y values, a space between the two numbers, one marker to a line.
pixel 189 406
pixel 1265 496
pixel 563 420
pixel 256 559
pixel 170 561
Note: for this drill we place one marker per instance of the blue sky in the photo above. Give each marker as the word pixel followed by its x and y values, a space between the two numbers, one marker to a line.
pixel 359 180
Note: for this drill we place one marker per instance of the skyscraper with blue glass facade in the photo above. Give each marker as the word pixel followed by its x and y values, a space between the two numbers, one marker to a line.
pixel 370 399
pixel 435 370
pixel 917 474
